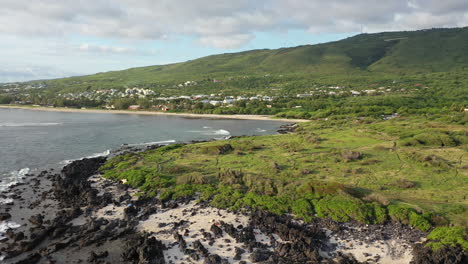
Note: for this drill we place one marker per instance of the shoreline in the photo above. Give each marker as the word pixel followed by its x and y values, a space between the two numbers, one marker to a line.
pixel 95 224
pixel 186 115
pixel 94 218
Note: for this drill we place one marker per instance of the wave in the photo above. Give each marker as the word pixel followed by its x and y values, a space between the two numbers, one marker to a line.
pixel 219 132
pixel 4 226
pixel 259 130
pixel 6 200
pixel 95 155
pixel 12 178
pixel 28 124
pixel 152 143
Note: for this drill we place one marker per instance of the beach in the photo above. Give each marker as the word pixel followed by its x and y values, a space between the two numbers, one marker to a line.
pixel 141 112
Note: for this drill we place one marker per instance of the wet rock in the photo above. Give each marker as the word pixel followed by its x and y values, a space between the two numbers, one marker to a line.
pixel 36 219
pixel 4 216
pixel 73 182
pixel 19 236
pixel 94 257
pixel 31 259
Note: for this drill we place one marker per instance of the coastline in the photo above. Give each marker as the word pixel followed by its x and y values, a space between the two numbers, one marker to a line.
pixel 138 112
pixel 96 223
pixel 93 220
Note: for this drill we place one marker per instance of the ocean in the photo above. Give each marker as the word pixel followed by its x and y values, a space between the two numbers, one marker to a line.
pixel 31 141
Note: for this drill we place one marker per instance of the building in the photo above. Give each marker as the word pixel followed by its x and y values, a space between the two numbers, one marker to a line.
pixel 134 107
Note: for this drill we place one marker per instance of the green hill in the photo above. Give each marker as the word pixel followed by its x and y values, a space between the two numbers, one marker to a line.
pixel 389 53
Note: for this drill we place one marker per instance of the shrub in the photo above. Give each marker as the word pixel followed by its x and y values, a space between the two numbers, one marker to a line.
pixel 399 213
pixel 318 189
pixel 409 216
pixel 302 208
pixel 451 236
pixel 419 221
pixel 344 207
pixel 276 205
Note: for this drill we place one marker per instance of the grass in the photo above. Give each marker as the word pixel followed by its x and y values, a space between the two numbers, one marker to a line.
pixel 344 170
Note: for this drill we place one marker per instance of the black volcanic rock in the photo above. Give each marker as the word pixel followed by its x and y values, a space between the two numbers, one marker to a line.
pixel 141 248
pixel 72 185
pixel 445 255
pixel 4 216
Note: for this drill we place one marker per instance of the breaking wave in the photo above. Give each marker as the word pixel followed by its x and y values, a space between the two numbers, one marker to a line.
pixel 219 132
pixel 153 143
pixel 95 155
pixel 12 178
pixel 4 226
pixel 28 124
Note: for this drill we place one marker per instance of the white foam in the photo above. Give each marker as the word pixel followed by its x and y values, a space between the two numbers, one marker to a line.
pixel 222 132
pixel 219 132
pixel 207 127
pixel 28 124
pixel 6 200
pixel 153 143
pixel 4 226
pixel 100 154
pixel 259 130
pixel 95 155
pixel 12 178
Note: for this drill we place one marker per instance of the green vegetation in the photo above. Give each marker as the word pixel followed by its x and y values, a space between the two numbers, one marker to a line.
pixel 344 169
pixel 349 61
pixel 357 160
pixel 451 236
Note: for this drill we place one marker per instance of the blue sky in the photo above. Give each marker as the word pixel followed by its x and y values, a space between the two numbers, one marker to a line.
pixel 50 38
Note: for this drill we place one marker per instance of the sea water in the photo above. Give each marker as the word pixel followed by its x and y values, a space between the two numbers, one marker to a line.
pixel 34 140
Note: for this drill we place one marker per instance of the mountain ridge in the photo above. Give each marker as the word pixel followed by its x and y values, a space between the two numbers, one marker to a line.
pixel 400 53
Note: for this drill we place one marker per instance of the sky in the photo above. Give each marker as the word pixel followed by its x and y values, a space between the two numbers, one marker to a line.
pixel 44 39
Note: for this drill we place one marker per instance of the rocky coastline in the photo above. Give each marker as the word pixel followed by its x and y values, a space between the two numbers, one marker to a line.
pixel 75 216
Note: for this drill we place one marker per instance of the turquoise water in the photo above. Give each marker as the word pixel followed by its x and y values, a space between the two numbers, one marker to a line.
pixel 31 140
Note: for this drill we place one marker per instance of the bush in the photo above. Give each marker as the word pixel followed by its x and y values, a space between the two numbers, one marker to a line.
pixel 409 216
pixel 272 204
pixel 302 208
pixel 451 236
pixel 419 221
pixel 344 207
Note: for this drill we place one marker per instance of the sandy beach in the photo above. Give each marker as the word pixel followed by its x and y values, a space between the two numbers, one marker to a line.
pixel 138 112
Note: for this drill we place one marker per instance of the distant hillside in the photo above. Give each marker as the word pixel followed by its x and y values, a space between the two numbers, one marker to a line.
pixel 424 51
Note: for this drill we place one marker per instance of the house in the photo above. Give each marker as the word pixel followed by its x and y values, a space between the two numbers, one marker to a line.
pixel 134 107
pixel 228 101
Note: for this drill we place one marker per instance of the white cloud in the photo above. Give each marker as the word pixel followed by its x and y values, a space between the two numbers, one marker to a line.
pixel 105 49
pixel 226 42
pixel 221 23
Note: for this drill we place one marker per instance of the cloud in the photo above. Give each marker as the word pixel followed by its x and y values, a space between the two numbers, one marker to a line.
pixel 16 74
pixel 224 24
pixel 103 49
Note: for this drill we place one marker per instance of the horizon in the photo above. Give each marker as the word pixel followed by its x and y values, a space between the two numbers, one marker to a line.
pixel 54 40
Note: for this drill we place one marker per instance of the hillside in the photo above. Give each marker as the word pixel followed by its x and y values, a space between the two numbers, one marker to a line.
pixel 390 53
